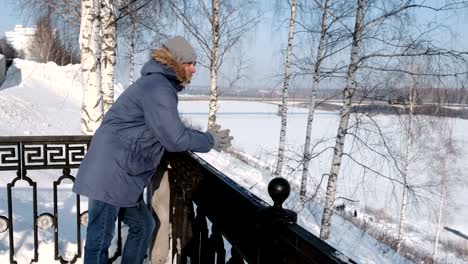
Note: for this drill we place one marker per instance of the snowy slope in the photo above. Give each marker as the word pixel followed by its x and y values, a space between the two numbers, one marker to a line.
pixel 40 99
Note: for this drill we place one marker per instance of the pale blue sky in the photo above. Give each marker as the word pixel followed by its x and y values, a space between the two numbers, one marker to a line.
pixel 8 17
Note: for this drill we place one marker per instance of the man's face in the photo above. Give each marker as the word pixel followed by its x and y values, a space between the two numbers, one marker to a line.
pixel 189 69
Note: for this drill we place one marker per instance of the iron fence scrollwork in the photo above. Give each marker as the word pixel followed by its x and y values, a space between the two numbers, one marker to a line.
pixel 25 154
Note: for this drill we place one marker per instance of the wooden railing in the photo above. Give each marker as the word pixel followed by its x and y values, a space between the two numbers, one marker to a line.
pixel 209 212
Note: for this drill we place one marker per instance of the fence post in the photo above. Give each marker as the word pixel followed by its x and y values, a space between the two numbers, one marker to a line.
pixel 271 222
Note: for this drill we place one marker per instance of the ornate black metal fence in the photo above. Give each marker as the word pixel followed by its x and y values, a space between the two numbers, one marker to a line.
pixel 256 232
pixel 24 154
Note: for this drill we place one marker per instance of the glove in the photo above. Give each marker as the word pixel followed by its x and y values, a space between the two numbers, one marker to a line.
pixel 221 138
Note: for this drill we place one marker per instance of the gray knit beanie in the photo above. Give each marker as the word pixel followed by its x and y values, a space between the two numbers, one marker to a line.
pixel 182 51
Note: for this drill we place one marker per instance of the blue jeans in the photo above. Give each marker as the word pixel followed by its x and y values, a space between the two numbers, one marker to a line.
pixel 101 226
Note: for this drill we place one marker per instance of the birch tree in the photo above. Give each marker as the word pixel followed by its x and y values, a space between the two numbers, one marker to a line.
pixel 407 161
pixel 310 116
pixel 420 67
pixel 381 49
pixel 329 27
pixel 442 164
pixel 213 63
pixel 334 37
pixel 91 108
pixel 108 37
pixel 228 22
pixel 423 71
pixel 442 200
pixel 415 65
pixel 112 13
pixel 133 14
pixel 286 81
pixel 344 120
pixel 141 23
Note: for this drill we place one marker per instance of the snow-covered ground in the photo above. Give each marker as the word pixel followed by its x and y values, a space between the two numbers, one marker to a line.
pixel 43 99
pixel 255 128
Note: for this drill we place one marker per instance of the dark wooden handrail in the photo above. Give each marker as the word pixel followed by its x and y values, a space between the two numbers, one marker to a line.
pixel 258 233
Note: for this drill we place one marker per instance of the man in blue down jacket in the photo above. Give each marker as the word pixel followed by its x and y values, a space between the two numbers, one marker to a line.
pixel 126 149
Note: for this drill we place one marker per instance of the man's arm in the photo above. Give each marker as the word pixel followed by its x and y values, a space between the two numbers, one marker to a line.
pixel 162 116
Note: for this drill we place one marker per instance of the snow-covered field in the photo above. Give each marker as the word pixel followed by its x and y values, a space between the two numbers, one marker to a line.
pixel 255 128
pixel 43 99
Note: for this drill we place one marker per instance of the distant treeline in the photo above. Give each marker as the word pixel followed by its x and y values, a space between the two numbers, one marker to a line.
pixel 441 96
pixel 426 109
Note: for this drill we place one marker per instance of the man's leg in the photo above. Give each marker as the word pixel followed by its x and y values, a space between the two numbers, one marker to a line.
pixel 140 228
pixel 101 225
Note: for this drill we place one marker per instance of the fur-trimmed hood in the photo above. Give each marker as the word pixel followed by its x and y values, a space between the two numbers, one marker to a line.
pixel 164 57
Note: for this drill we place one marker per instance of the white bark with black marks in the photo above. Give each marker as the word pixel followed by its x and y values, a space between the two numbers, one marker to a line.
pixel 91 108
pixel 108 52
pixel 284 102
pixel 407 161
pixel 344 120
pixel 214 65
pixel 310 117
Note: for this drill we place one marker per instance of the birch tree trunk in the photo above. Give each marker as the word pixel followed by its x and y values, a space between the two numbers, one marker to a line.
pixel 409 144
pixel 441 210
pixel 284 103
pixel 91 108
pixel 445 154
pixel 344 120
pixel 214 65
pixel 108 54
pixel 310 117
pixel 227 22
pixel 132 42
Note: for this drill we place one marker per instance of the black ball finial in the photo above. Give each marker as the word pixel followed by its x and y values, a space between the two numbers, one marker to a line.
pixel 279 190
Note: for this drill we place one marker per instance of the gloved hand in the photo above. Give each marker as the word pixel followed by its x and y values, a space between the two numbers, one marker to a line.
pixel 221 138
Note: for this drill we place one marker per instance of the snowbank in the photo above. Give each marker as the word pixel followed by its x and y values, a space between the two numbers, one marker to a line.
pixel 65 81
pixel 42 99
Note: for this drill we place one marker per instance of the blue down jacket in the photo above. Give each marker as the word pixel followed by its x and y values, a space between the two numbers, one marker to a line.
pixel 128 146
